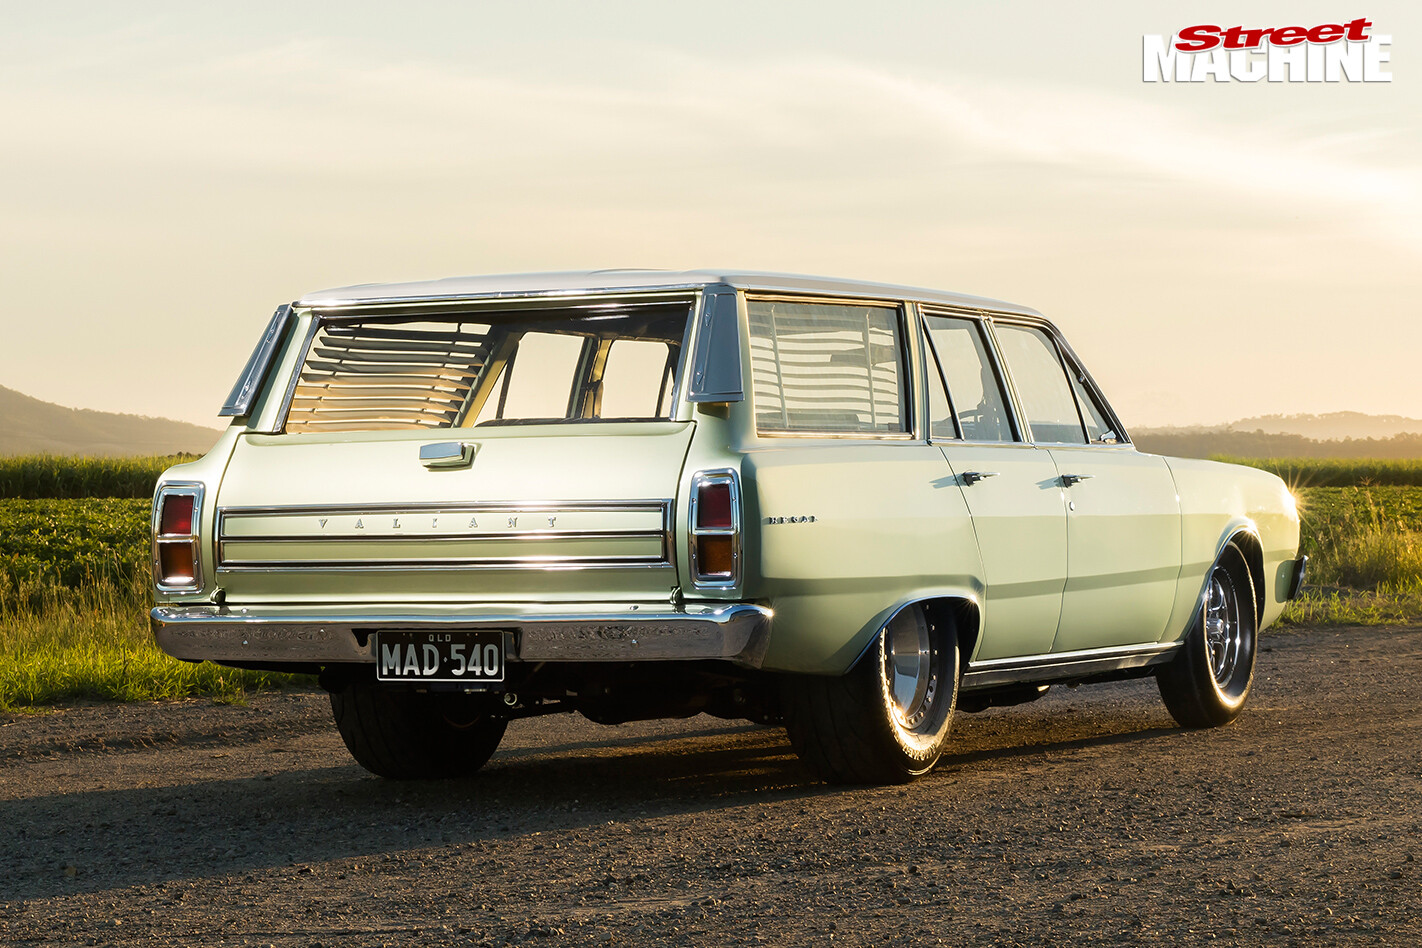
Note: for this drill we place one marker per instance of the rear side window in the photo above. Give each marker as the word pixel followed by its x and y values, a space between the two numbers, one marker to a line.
pixel 537 380
pixel 636 379
pixel 826 367
pixel 1042 385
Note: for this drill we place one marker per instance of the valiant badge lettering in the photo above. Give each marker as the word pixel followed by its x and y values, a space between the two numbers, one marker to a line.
pixel 1328 52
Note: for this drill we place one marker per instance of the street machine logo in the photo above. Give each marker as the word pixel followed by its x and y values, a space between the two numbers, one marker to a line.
pixel 1328 52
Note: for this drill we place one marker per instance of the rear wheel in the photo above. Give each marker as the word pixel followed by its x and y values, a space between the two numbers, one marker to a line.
pixel 1207 683
pixel 887 720
pixel 407 735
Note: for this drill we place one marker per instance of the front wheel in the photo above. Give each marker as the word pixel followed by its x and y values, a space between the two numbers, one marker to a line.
pixel 887 720
pixel 1206 684
pixel 406 735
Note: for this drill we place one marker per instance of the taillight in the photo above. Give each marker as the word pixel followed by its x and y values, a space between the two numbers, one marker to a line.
pixel 715 529
pixel 713 506
pixel 175 539
pixel 176 518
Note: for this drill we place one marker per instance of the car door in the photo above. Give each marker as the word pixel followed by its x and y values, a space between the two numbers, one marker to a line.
pixel 1011 489
pixel 1122 516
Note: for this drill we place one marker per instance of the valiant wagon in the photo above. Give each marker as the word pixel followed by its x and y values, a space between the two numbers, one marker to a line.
pixel 847 507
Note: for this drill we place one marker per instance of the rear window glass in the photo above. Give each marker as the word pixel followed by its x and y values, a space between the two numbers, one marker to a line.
pixel 826 367
pixel 527 367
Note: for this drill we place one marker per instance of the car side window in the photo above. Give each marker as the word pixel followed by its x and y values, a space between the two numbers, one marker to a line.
pixel 975 391
pixel 830 367
pixel 635 381
pixel 526 391
pixel 1042 385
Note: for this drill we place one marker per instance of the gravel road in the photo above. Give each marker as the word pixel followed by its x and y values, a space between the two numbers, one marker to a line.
pixel 1085 818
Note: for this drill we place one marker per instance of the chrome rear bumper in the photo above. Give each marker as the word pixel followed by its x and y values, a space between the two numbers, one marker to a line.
pixel 737 632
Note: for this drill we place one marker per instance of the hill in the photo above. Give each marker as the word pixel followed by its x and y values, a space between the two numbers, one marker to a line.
pixel 1259 444
pixel 1339 434
pixel 1333 426
pixel 30 426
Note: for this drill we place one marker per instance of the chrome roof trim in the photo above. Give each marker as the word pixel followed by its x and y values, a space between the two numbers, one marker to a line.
pixel 599 282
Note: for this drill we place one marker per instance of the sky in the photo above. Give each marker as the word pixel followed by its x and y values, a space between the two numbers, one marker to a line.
pixel 170 172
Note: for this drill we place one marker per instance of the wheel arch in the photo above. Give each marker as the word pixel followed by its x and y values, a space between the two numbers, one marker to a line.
pixel 1245 538
pixel 961 608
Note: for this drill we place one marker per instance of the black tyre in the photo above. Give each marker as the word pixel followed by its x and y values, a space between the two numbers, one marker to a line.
pixel 1207 683
pixel 887 720
pixel 405 735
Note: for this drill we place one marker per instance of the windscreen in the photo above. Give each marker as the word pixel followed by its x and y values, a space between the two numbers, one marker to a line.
pixel 471 369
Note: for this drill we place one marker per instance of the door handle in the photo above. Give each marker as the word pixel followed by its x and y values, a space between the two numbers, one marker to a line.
pixel 972 477
pixel 1070 479
pixel 446 454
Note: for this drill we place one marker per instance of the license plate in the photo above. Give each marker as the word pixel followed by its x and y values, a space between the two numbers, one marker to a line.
pixel 471 656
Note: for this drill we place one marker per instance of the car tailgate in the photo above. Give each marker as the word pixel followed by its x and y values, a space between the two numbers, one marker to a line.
pixel 540 513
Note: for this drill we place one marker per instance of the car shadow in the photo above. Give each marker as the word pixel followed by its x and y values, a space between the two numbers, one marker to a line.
pixel 101 839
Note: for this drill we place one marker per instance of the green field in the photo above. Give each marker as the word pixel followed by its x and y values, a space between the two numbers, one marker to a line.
pixel 1338 472
pixel 74 610
pixel 74 582
pixel 56 476
pixel 1365 549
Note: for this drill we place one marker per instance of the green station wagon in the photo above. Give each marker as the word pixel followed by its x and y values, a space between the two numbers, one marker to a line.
pixel 849 508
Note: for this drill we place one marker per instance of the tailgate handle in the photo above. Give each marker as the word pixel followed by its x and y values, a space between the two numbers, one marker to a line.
pixel 446 454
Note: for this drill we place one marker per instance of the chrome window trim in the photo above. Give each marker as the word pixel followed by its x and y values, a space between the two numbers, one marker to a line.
pixel 279 423
pixel 541 299
pixel 437 307
pixel 1073 361
pixel 193 537
pixel 724 475
pixel 1070 360
pixel 928 359
pixel 983 319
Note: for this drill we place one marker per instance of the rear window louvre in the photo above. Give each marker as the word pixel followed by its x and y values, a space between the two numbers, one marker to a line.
pixel 370 377
pixel 827 367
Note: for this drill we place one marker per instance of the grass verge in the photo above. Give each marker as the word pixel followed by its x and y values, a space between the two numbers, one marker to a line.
pixel 74 612
pixel 1365 545
pixel 1337 472
pixel 105 652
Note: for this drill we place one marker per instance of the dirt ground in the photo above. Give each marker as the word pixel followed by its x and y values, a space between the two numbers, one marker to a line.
pixel 1085 818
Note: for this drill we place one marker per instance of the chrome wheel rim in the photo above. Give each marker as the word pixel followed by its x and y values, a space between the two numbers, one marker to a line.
pixel 1224 634
pixel 910 675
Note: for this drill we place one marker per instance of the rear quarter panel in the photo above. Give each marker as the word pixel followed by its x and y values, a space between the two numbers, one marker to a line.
pixel 890 527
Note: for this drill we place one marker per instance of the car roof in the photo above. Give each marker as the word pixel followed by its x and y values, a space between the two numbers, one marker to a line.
pixel 580 282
